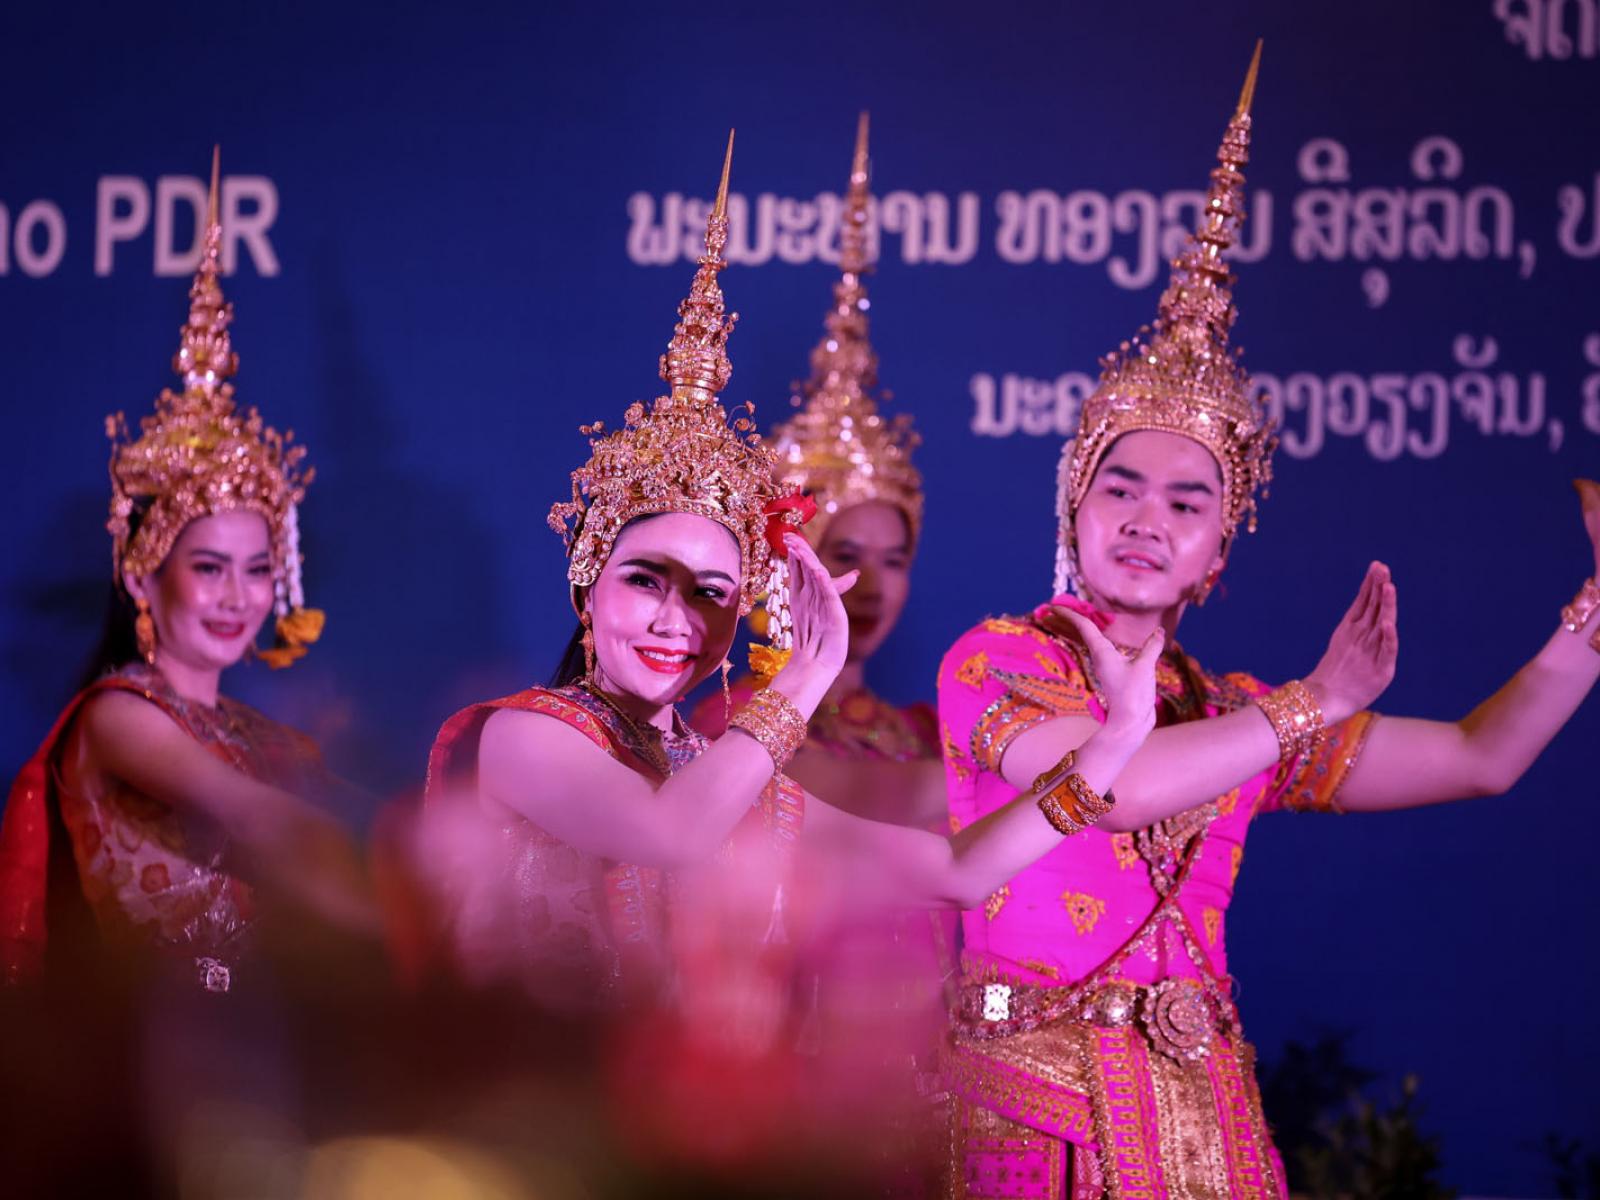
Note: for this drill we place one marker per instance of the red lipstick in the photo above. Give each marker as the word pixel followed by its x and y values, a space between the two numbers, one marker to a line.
pixel 663 660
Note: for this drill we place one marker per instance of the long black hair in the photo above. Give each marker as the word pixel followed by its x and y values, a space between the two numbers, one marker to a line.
pixel 118 645
pixel 573 664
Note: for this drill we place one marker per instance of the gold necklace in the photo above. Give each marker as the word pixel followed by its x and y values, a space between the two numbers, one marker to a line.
pixel 645 747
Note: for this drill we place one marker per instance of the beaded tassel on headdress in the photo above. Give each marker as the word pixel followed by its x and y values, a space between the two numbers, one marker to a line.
pixel 1180 375
pixel 838 446
pixel 682 454
pixel 198 454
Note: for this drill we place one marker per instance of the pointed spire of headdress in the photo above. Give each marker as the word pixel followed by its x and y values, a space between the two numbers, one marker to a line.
pixel 682 453
pixel 844 368
pixel 198 454
pixel 838 446
pixel 205 355
pixel 1197 306
pixel 1248 92
pixel 719 210
pixel 853 228
pixel 213 200
pixel 1180 374
pixel 696 362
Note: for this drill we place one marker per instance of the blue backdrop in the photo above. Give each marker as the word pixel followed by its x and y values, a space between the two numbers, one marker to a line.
pixel 463 233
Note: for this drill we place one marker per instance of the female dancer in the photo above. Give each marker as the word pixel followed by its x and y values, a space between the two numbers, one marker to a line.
pixel 155 798
pixel 876 982
pixel 159 835
pixel 866 755
pixel 676 528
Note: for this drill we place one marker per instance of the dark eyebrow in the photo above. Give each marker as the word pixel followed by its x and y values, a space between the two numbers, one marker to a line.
pixel 223 556
pixel 1127 473
pixel 1193 485
pixel 902 548
pixel 660 568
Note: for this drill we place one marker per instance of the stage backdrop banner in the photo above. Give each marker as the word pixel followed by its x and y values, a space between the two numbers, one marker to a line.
pixel 454 236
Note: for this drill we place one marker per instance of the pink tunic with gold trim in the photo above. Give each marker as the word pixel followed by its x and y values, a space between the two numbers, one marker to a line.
pixel 1095 1006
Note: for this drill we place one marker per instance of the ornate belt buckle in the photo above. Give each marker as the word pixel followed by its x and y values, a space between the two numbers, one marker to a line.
pixel 213 974
pixel 1114 1004
pixel 996 1002
pixel 1177 1019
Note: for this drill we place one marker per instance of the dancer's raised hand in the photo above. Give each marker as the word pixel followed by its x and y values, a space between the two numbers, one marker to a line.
pixel 1127 685
pixel 1360 660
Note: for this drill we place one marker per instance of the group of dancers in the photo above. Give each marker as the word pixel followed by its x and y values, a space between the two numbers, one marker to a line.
pixel 1012 901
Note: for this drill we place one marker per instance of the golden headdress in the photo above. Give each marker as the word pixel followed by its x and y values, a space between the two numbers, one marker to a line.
pixel 1179 375
pixel 199 454
pixel 838 447
pixel 682 454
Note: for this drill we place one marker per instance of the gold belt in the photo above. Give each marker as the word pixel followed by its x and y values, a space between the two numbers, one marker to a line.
pixel 212 974
pixel 1178 1016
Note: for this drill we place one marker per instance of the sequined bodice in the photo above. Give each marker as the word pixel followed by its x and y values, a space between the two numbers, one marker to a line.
pixel 156 875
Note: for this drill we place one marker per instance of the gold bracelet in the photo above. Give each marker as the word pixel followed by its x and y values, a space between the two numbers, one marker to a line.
pixel 1576 615
pixel 1067 800
pixel 1060 820
pixel 1048 786
pixel 1047 779
pixel 772 719
pixel 1295 716
pixel 1091 804
pixel 1073 806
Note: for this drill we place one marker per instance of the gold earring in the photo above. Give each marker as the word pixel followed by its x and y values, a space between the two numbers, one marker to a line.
pixel 588 648
pixel 144 631
pixel 1203 589
pixel 727 697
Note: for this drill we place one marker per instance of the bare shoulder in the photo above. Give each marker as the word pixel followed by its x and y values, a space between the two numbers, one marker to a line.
pixel 122 734
pixel 538 765
pixel 119 716
pixel 511 737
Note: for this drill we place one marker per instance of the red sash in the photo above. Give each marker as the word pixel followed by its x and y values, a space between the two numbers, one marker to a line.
pixel 25 848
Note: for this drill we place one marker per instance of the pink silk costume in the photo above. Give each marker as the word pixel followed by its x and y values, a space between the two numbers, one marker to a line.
pixel 155 878
pixel 583 932
pixel 1096 1048
pixel 904 959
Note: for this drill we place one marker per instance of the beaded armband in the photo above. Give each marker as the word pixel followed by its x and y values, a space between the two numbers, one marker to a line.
pixel 772 719
pixel 1296 718
pixel 1066 799
pixel 1576 615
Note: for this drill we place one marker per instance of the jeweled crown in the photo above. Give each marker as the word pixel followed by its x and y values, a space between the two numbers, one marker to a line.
pixel 198 453
pixel 1180 375
pixel 838 446
pixel 682 454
